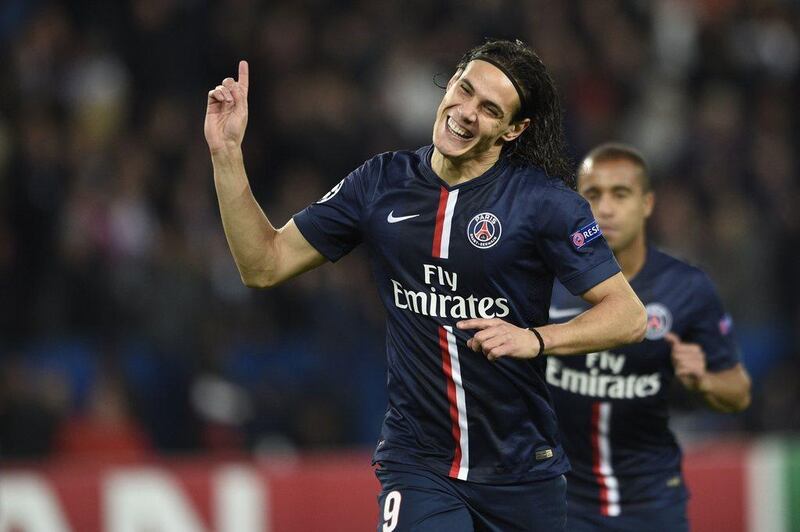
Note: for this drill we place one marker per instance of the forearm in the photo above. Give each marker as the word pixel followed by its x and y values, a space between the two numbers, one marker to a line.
pixel 249 233
pixel 614 321
pixel 726 391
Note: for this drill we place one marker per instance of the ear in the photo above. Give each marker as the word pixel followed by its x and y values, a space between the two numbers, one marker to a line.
pixel 649 202
pixel 515 129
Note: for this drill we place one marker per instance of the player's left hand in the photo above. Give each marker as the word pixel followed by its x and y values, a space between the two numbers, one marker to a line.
pixel 497 338
pixel 689 362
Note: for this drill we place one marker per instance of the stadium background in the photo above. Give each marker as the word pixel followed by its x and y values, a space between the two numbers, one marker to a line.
pixel 125 333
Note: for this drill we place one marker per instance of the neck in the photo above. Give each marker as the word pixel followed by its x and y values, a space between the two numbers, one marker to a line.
pixel 456 171
pixel 632 258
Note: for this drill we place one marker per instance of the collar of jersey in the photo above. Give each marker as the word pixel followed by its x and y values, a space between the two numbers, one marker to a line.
pixel 430 175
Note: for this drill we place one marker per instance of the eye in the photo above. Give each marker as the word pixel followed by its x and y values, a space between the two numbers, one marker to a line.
pixel 464 88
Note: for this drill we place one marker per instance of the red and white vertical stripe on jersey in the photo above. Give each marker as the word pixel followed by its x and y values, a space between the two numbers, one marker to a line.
pixel 458 406
pixel 447 343
pixel 601 459
pixel 444 219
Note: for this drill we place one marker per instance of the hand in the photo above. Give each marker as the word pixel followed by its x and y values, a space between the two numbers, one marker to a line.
pixel 689 362
pixel 226 112
pixel 497 338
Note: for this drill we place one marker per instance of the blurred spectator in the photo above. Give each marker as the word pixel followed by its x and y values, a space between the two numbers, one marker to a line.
pixel 106 430
pixel 31 404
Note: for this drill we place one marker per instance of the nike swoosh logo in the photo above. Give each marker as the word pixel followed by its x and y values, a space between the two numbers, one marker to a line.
pixel 392 219
pixel 558 313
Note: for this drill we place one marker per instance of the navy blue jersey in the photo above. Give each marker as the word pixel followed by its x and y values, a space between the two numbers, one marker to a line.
pixel 612 405
pixel 487 248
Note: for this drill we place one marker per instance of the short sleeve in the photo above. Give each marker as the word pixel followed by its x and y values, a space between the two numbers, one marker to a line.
pixel 333 224
pixel 712 328
pixel 572 244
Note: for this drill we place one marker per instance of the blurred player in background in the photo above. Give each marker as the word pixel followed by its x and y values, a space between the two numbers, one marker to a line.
pixel 467 234
pixel 612 404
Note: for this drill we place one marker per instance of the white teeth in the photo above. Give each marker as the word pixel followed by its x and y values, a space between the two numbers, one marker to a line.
pixel 458 130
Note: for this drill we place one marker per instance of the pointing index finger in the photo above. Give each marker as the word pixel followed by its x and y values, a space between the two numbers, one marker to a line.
pixel 672 338
pixel 244 75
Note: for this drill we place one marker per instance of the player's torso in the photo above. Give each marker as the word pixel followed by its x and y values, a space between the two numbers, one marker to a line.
pixel 612 405
pixel 442 254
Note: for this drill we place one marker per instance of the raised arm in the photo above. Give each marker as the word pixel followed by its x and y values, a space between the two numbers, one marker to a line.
pixel 265 256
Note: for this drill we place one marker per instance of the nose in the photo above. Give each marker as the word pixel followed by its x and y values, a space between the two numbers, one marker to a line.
pixel 603 207
pixel 468 111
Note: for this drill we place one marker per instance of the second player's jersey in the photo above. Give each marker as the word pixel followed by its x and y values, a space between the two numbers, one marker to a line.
pixel 612 405
pixel 488 248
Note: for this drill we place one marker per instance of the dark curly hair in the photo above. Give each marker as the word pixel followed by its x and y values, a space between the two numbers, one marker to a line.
pixel 542 144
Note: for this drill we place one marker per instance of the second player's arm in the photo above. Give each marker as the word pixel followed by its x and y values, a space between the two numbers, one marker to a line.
pixel 727 390
pixel 264 255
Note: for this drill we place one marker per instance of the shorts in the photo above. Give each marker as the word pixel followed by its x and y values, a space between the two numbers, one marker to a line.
pixel 419 500
pixel 670 518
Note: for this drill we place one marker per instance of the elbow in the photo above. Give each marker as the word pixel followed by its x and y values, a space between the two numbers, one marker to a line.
pixel 258 279
pixel 744 396
pixel 740 399
pixel 257 282
pixel 744 402
pixel 740 404
pixel 260 270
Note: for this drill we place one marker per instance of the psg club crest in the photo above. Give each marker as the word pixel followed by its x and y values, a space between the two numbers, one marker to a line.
pixel 659 321
pixel 484 230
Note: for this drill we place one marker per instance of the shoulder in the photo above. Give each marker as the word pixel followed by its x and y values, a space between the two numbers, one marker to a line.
pixel 680 271
pixel 379 167
pixel 550 193
pixel 394 163
pixel 385 171
pixel 380 161
pixel 534 177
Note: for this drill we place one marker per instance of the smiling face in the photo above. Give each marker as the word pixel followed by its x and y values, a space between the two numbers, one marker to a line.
pixel 474 119
pixel 615 190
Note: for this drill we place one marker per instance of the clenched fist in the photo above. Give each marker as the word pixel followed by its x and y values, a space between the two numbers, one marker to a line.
pixel 689 362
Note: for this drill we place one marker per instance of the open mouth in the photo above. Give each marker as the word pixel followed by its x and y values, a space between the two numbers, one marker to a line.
pixel 457 130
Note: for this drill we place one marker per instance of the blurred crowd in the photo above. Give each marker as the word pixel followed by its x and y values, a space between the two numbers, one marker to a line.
pixel 124 327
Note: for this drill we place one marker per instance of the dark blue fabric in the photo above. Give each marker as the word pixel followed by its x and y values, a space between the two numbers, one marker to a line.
pixel 429 502
pixel 671 518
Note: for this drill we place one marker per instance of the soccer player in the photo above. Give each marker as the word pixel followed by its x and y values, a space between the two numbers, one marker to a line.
pixel 612 403
pixel 464 235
